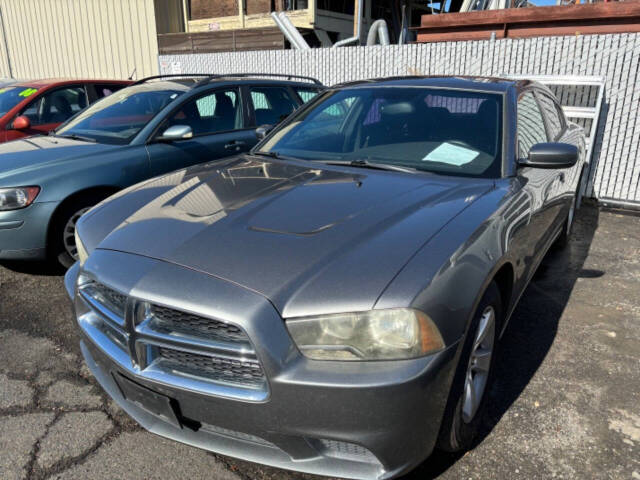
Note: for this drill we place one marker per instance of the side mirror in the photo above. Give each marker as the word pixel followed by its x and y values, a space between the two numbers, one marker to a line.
pixel 551 155
pixel 21 123
pixel 177 132
pixel 263 130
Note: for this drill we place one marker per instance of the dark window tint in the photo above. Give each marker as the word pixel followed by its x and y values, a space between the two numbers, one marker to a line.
pixel 271 104
pixel 56 106
pixel 214 112
pixel 306 94
pixel 550 110
pixel 530 124
pixel 104 90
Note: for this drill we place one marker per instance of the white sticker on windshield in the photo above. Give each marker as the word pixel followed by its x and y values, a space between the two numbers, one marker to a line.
pixel 451 154
pixel 173 96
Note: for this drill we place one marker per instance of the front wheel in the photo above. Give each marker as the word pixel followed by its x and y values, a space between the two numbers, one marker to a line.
pixel 63 241
pixel 467 401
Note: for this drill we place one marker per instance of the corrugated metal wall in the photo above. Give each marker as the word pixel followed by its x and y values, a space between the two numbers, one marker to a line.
pixel 614 57
pixel 78 38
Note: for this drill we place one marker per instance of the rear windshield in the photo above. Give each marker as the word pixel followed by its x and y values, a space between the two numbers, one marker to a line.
pixel 118 118
pixel 12 96
pixel 452 132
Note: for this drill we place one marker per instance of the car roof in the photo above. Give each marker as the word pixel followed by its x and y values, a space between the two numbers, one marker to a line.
pixel 48 82
pixel 202 80
pixel 458 82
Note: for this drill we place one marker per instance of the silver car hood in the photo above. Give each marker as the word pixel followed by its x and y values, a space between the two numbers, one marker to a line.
pixel 309 237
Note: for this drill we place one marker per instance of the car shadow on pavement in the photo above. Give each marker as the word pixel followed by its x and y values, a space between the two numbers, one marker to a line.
pixel 34 267
pixel 531 331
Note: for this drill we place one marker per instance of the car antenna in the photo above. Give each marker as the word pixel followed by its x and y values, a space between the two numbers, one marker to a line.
pixel 132 74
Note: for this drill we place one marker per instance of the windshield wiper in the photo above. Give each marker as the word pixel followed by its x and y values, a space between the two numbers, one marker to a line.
pixel 73 136
pixel 267 154
pixel 372 165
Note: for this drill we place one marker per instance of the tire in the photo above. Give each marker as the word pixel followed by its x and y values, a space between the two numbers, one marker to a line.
pixel 464 418
pixel 62 234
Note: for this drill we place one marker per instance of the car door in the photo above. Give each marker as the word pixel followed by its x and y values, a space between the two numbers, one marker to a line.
pixel 217 121
pixel 539 184
pixel 47 111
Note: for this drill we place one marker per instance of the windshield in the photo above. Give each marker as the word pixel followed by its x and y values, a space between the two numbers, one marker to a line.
pixel 12 96
pixel 451 132
pixel 118 118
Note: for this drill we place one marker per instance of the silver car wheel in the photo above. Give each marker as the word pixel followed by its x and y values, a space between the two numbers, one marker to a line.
pixel 479 364
pixel 68 234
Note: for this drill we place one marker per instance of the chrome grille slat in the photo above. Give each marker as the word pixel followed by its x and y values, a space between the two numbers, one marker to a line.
pixel 110 299
pixel 147 333
pixel 115 320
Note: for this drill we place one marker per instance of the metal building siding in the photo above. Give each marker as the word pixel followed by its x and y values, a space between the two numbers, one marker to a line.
pixel 613 56
pixel 79 38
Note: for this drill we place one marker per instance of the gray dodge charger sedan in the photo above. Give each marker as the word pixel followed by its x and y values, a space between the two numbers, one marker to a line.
pixel 331 302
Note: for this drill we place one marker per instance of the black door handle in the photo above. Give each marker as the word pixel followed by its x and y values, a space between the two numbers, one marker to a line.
pixel 235 144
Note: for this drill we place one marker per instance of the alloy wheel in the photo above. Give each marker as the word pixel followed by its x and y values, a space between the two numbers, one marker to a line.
pixel 479 364
pixel 68 234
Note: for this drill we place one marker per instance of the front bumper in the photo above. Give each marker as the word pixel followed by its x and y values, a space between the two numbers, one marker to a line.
pixel 23 232
pixel 355 420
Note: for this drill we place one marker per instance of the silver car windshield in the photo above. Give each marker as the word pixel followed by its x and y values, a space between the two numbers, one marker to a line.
pixel 118 118
pixel 445 131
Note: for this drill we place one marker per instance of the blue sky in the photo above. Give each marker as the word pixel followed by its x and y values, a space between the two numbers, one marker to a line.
pixel 543 3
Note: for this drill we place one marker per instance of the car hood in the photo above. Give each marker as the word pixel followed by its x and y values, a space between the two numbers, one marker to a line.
pixel 24 154
pixel 309 237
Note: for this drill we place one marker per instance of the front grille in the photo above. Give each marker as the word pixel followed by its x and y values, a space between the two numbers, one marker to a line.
pixel 169 321
pixel 109 298
pixel 172 346
pixel 213 367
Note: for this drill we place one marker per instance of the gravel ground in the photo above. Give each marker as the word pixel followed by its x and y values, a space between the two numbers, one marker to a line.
pixel 566 402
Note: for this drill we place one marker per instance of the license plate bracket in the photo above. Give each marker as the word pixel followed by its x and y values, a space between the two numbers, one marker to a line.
pixel 147 399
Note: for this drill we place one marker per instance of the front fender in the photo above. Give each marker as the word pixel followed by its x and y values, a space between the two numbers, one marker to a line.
pixel 448 276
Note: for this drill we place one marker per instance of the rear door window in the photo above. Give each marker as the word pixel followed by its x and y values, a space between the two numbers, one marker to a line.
pixel 306 94
pixel 271 104
pixel 104 90
pixel 555 120
pixel 531 128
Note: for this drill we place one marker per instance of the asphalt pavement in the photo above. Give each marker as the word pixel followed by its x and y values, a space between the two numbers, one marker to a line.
pixel 566 402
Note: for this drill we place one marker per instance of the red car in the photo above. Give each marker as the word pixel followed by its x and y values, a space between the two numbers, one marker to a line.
pixel 38 106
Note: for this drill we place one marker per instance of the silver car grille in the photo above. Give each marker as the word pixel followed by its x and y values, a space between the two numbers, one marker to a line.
pixel 172 346
pixel 245 372
pixel 169 321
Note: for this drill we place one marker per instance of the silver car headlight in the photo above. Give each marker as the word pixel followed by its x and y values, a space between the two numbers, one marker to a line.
pixel 390 334
pixel 18 197
pixel 82 251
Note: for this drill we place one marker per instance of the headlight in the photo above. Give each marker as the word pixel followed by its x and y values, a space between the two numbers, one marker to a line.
pixel 19 197
pixel 82 252
pixel 374 335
